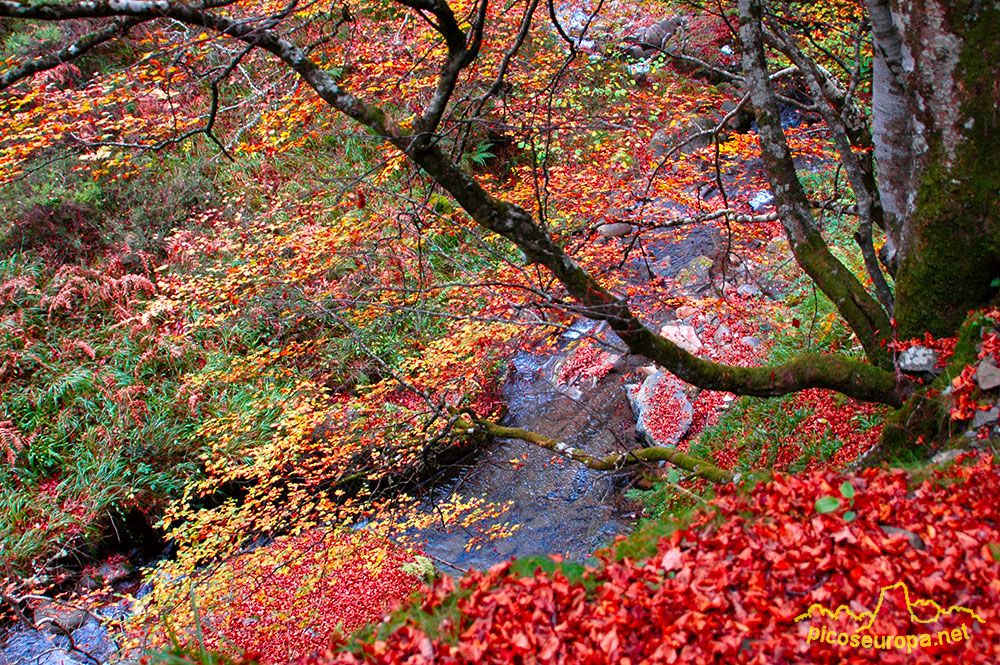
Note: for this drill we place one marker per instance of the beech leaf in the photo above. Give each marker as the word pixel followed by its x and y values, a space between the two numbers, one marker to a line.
pixel 827 504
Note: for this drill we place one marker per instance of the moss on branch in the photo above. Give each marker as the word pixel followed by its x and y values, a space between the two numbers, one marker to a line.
pixel 694 465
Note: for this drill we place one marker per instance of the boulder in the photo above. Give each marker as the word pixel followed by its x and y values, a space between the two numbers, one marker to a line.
pixel 665 138
pixel 683 335
pixel 614 229
pixel 918 359
pixel 654 38
pixel 55 617
pixel 662 409
pixel 988 374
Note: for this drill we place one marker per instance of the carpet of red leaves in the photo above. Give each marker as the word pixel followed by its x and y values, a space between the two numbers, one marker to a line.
pixel 728 588
pixel 278 613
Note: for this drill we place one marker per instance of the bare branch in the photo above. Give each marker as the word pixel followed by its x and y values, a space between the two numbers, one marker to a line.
pixel 864 314
pixel 67 54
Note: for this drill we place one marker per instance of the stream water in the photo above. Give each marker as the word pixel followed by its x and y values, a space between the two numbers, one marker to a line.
pixel 560 506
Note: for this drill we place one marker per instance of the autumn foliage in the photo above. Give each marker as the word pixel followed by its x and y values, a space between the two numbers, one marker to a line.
pixel 271 379
pixel 729 585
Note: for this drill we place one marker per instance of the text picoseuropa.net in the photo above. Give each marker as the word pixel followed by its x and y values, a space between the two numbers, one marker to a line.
pixel 868 641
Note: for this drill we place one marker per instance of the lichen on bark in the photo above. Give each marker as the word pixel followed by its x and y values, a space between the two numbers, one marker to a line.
pixel 953 241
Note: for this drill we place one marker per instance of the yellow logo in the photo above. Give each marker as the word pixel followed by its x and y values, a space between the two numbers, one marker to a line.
pixel 871 616
pixel 865 621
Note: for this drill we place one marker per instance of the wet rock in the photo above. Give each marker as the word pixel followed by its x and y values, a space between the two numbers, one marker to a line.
pixel 614 229
pixel 988 374
pixel 918 359
pixel 790 117
pixel 29 647
pixel 94 640
pixel 683 335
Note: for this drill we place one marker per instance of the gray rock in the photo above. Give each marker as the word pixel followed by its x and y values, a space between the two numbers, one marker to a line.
pixel 918 359
pixel 666 138
pixel 93 639
pixel 946 456
pixel 988 417
pixel 752 342
pixel 56 617
pixel 647 400
pixel 915 541
pixel 614 229
pixel 988 374
pixel 748 290
pixel 722 334
pixel 31 647
pixel 654 38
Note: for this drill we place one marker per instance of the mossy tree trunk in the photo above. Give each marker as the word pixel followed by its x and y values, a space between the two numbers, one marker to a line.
pixel 936 126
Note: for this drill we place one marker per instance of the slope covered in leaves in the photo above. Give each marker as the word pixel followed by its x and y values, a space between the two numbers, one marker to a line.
pixel 746 581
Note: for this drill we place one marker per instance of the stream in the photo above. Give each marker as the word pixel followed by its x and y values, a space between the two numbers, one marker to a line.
pixel 562 507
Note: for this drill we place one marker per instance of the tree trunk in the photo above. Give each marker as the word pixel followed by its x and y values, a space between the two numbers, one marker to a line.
pixel 937 136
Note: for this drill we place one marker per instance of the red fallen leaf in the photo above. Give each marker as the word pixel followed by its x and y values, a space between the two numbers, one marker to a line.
pixel 361 200
pixel 730 602
pixel 844 535
pixel 672 560
pixel 609 643
pixel 796 323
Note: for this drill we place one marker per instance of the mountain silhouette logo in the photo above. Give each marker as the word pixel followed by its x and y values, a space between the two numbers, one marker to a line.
pixel 867 619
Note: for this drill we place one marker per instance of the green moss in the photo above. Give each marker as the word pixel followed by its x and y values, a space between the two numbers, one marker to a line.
pixel 925 415
pixel 956 251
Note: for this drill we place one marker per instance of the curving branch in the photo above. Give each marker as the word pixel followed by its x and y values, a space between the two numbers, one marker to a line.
pixel 845 375
pixel 859 172
pixel 697 467
pixel 71 52
pixel 863 313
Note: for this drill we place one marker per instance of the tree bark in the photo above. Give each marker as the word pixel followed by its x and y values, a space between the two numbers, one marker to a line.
pixel 863 314
pixel 937 139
